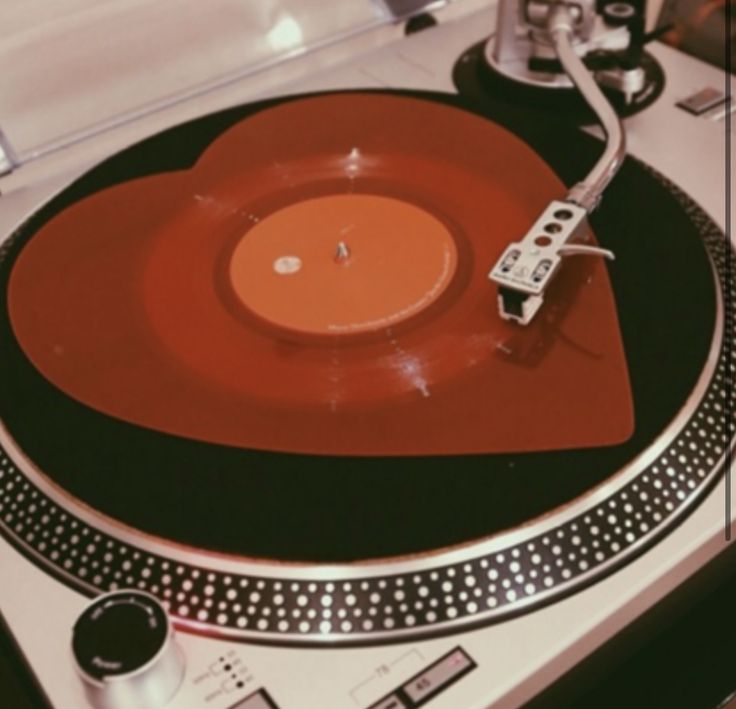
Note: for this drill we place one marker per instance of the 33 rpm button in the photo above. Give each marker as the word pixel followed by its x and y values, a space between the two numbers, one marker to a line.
pixel 119 634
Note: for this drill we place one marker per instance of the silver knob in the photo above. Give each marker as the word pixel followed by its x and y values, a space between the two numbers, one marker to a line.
pixel 124 650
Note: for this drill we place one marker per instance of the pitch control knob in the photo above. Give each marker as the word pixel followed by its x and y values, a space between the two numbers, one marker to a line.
pixel 124 649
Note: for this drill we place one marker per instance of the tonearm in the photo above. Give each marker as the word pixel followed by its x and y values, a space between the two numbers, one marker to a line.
pixel 563 44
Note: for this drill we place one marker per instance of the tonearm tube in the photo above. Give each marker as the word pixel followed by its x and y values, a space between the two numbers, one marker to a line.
pixel 561 34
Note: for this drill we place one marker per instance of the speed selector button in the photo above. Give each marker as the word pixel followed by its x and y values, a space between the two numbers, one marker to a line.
pixel 124 650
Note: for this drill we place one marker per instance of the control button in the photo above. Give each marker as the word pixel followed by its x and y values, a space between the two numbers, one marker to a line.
pixel 124 651
pixel 391 702
pixel 442 673
pixel 258 700
pixel 702 101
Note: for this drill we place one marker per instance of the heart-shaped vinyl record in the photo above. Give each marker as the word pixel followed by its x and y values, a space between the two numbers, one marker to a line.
pixel 317 283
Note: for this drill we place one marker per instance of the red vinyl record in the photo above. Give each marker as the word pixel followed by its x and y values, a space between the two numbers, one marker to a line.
pixel 317 283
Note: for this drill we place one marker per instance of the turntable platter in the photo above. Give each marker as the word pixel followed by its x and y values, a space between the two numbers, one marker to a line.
pixel 263 502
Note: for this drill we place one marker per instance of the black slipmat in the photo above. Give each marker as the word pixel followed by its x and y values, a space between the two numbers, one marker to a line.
pixel 329 509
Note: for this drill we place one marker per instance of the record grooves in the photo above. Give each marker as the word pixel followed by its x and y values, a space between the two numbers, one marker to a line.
pixel 327 509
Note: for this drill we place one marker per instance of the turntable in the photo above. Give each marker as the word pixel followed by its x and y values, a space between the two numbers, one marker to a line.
pixel 343 368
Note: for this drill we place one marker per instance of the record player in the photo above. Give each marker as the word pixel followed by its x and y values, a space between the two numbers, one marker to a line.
pixel 351 365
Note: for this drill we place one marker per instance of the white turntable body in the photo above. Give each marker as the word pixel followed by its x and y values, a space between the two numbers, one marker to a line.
pixel 516 659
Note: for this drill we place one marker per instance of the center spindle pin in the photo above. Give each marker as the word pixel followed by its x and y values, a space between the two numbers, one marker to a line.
pixel 342 253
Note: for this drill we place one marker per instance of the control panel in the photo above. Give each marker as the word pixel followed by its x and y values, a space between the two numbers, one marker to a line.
pixel 127 657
